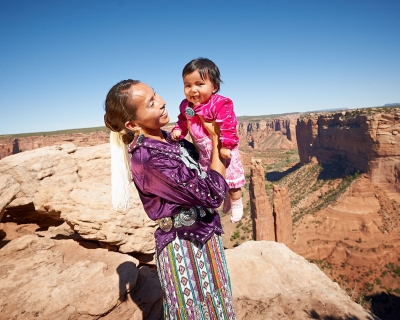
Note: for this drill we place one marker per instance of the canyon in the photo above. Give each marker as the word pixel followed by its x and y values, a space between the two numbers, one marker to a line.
pixel 66 254
pixel 13 144
pixel 338 174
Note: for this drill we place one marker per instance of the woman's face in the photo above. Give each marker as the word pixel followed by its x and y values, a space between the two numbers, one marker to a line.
pixel 151 113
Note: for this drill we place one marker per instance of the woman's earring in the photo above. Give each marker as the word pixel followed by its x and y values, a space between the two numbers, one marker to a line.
pixel 140 137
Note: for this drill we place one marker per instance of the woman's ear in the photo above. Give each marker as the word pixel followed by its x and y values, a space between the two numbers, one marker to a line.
pixel 130 125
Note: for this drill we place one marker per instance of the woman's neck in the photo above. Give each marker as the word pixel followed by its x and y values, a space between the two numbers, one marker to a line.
pixel 156 134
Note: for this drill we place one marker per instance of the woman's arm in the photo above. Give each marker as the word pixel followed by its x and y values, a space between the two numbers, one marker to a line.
pixel 217 162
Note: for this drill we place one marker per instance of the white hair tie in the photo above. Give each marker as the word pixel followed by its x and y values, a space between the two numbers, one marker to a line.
pixel 120 172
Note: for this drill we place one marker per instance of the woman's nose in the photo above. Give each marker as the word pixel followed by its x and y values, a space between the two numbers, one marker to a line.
pixel 160 101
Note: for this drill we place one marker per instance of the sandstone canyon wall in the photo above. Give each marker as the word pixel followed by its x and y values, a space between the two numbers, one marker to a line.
pixel 360 141
pixel 9 145
pixel 268 133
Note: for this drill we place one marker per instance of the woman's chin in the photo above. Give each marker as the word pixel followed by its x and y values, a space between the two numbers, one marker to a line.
pixel 165 121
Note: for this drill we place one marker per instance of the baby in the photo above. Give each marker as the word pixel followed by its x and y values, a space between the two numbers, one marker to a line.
pixel 201 81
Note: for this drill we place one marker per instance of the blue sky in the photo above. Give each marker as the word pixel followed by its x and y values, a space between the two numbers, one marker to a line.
pixel 58 59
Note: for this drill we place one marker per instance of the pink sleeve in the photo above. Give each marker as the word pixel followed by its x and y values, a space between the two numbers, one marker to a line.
pixel 226 118
pixel 181 124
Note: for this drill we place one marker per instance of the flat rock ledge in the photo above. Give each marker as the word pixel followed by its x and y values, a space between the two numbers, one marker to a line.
pixel 43 278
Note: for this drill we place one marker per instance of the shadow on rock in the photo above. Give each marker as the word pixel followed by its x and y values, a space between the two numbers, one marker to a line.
pixel 312 314
pixel 127 279
pixel 338 167
pixel 144 290
pixel 277 175
pixel 386 306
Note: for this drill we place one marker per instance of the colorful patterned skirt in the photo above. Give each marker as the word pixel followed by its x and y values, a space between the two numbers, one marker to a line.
pixel 195 280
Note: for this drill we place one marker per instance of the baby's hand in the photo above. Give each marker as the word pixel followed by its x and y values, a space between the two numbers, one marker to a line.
pixel 225 153
pixel 175 135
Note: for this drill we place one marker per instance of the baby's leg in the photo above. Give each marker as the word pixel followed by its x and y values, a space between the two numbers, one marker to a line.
pixel 235 195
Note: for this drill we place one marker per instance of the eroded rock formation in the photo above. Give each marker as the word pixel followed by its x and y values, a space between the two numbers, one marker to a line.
pixel 261 212
pixel 72 184
pixel 360 142
pixel 269 133
pixel 9 146
pixel 283 216
pixel 61 279
pixel 269 281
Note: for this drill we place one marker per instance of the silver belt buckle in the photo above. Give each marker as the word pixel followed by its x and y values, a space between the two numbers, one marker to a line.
pixel 184 218
pixel 165 224
pixel 187 216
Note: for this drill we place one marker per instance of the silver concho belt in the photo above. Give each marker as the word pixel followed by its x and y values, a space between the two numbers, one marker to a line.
pixel 184 218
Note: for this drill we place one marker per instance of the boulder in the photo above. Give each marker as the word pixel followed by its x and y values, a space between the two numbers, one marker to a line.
pixel 71 184
pixel 62 279
pixel 269 281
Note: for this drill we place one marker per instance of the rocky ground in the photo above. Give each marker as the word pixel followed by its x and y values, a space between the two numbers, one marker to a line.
pixel 67 255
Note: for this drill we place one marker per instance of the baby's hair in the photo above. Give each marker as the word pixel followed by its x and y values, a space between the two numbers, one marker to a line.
pixel 206 69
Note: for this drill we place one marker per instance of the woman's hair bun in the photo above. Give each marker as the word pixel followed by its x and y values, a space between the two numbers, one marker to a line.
pixel 128 137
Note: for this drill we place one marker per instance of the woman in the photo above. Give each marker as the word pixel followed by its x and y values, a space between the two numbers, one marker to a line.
pixel 181 197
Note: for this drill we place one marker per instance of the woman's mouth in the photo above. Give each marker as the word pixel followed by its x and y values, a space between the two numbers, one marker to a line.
pixel 164 113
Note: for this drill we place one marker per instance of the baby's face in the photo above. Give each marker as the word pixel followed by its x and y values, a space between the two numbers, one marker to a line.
pixel 198 90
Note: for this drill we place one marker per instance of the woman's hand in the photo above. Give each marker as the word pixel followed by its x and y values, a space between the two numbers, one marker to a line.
pixel 225 153
pixel 175 135
pixel 217 162
pixel 211 127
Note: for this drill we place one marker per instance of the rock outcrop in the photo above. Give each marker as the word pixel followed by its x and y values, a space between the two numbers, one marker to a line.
pixel 61 279
pixel 269 225
pixel 72 184
pixel 271 282
pixel 283 216
pixel 360 142
pixel 9 188
pixel 268 133
pixel 10 145
pixel 261 212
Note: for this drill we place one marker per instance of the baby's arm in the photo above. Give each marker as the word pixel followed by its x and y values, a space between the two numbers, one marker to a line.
pixel 179 131
pixel 226 118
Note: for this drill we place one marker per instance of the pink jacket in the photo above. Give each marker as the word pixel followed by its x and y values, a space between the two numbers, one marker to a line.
pixel 219 109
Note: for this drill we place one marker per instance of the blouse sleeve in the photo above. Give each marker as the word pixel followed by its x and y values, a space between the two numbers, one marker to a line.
pixel 178 186
pixel 182 124
pixel 226 118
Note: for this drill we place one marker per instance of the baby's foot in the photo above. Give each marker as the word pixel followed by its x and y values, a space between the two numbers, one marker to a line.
pixel 237 210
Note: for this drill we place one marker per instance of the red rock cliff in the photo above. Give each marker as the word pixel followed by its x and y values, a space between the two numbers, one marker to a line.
pixel 367 142
pixel 9 146
pixel 268 133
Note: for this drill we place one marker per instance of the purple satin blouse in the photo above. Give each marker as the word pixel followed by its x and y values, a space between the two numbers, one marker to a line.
pixel 167 182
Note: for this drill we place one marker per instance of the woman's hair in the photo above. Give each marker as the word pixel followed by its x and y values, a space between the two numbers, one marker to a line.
pixel 119 109
pixel 206 69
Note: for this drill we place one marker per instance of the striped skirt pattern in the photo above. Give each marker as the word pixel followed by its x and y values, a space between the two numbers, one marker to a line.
pixel 195 280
